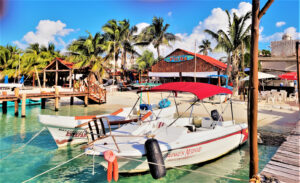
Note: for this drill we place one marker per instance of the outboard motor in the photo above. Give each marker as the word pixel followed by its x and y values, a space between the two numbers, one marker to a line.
pixel 215 115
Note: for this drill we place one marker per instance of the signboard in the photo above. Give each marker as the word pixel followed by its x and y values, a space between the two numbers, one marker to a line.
pixel 180 58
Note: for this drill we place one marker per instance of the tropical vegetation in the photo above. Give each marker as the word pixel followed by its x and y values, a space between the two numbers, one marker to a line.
pixel 205 47
pixel 157 35
pixel 145 61
pixel 235 41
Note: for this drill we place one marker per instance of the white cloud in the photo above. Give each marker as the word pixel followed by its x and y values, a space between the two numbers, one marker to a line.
pixel 170 13
pixel 141 26
pixel 278 35
pixel 20 45
pixel 216 20
pixel 279 24
pixel 47 31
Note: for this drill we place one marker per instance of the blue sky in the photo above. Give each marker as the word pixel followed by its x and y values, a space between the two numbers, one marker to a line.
pixel 28 21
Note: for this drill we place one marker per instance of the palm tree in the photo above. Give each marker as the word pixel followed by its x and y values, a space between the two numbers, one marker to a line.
pixel 50 49
pixel 5 55
pixel 145 61
pixel 157 34
pixel 86 52
pixel 205 47
pixel 37 57
pixel 34 48
pixel 233 41
pixel 115 34
pixel 10 60
pixel 129 43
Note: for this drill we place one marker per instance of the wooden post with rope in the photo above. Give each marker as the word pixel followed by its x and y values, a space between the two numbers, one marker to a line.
pixel 23 109
pixel 71 100
pixel 252 121
pixel 4 104
pixel 16 101
pixel 56 98
pixel 43 104
pixel 86 102
pixel 298 70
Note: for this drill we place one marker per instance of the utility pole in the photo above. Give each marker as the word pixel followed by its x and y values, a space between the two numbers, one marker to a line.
pixel 252 121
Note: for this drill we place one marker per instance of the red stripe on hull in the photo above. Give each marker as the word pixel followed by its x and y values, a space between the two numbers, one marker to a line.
pixel 219 138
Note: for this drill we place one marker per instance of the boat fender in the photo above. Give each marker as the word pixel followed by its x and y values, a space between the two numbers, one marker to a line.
pixel 112 168
pixel 154 155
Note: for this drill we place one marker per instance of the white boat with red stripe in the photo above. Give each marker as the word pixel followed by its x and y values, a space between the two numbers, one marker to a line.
pixel 182 140
pixel 70 130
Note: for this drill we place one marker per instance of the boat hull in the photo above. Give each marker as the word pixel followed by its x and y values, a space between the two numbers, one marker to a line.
pixel 64 132
pixel 193 154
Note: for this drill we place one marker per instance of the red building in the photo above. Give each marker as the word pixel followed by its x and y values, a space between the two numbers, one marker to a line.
pixel 182 65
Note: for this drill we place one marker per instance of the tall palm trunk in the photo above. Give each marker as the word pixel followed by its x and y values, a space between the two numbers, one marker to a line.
pixel 228 65
pixel 243 58
pixel 125 60
pixel 158 52
pixel 235 74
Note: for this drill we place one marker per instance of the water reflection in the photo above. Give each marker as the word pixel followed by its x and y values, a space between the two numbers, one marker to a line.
pixel 22 129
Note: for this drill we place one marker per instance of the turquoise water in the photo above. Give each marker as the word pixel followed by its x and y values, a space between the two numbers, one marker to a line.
pixel 42 154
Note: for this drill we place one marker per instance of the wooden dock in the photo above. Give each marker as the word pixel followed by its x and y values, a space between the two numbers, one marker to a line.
pixel 88 96
pixel 285 164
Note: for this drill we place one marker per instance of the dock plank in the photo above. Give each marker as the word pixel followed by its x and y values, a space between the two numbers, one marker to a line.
pixel 285 164
pixel 292 167
pixel 283 169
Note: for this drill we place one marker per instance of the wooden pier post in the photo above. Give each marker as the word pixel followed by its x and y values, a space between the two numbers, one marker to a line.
pixel 23 110
pixel 43 104
pixel 253 88
pixel 86 102
pixel 16 102
pixel 4 107
pixel 56 98
pixel 71 100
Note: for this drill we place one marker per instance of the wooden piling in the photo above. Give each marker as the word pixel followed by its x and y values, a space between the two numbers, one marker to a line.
pixel 253 92
pixel 16 102
pixel 56 98
pixel 71 100
pixel 43 104
pixel 86 102
pixel 23 110
pixel 4 107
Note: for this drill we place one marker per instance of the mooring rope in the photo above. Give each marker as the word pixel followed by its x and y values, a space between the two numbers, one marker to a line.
pixel 23 146
pixel 184 169
pixel 53 168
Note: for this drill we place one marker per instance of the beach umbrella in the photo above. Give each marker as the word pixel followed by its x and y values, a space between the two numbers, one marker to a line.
pixel 261 75
pixel 289 76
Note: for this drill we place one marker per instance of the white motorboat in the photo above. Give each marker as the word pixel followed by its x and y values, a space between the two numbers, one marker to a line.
pixel 69 130
pixel 182 141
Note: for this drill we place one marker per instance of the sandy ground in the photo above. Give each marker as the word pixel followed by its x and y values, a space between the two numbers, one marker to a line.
pixel 279 118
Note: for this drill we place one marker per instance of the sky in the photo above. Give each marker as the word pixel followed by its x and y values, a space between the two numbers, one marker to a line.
pixel 23 22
